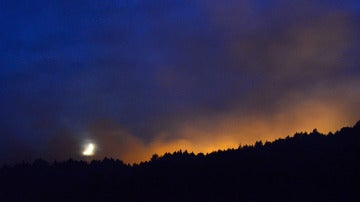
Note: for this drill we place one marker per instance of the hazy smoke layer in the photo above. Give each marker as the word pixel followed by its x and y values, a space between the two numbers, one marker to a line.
pixel 144 77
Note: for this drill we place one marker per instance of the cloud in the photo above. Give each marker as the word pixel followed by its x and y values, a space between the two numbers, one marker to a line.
pixel 197 75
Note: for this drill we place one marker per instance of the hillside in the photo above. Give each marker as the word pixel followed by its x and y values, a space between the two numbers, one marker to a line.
pixel 305 167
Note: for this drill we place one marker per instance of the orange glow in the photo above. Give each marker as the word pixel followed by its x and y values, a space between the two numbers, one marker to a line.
pixel 229 131
pixel 204 134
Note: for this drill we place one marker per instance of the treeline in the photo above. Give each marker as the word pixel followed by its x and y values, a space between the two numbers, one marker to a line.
pixel 305 167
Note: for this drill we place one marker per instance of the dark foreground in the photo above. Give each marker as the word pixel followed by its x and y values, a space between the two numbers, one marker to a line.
pixel 306 167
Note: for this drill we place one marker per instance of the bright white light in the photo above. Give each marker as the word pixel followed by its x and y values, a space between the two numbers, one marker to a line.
pixel 89 150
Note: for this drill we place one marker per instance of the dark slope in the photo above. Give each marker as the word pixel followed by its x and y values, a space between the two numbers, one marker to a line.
pixel 306 167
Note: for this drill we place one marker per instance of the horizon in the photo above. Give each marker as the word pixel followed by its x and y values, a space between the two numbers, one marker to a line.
pixel 89 158
pixel 128 79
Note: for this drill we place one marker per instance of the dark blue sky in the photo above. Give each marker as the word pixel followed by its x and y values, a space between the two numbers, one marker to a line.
pixel 138 77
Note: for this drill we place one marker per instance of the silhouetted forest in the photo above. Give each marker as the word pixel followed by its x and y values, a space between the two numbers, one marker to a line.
pixel 305 167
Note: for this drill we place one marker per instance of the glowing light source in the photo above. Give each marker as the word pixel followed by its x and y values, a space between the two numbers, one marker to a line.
pixel 89 150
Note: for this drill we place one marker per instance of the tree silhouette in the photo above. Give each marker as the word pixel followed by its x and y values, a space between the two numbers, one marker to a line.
pixel 305 167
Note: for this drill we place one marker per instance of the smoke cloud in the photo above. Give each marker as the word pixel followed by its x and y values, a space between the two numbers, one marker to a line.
pixel 141 77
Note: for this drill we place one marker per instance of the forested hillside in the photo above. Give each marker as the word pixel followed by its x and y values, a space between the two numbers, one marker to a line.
pixel 305 167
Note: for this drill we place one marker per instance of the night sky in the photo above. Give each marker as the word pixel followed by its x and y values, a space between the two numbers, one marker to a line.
pixel 137 77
